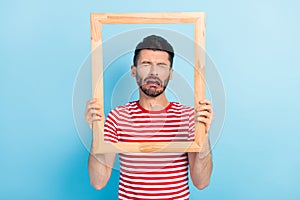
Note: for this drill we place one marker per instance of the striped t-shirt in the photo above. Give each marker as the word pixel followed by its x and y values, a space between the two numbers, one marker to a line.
pixel 152 175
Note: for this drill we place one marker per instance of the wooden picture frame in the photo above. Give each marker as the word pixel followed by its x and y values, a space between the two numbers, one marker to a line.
pixel 97 20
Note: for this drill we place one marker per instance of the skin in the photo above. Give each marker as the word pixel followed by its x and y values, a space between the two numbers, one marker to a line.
pixel 152 77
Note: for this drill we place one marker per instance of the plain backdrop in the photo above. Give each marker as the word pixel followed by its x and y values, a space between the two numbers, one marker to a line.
pixel 254 45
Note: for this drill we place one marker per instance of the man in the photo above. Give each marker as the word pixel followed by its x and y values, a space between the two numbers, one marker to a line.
pixel 154 119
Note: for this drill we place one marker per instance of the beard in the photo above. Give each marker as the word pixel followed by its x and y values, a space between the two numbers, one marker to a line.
pixel 152 91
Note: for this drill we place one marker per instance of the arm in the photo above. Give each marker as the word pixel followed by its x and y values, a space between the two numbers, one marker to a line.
pixel 201 166
pixel 99 165
pixel 201 163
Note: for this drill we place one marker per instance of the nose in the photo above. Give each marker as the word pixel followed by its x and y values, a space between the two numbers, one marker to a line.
pixel 153 70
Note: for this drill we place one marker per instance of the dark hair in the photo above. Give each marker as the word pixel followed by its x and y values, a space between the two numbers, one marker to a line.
pixel 156 43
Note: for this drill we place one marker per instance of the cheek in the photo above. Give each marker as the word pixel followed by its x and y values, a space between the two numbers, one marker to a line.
pixel 166 81
pixel 142 73
pixel 139 79
pixel 166 78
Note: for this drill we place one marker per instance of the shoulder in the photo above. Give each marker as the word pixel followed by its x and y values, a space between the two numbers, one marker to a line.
pixel 182 107
pixel 125 108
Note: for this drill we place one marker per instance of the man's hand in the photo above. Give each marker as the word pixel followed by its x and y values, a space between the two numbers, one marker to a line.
pixel 204 113
pixel 93 112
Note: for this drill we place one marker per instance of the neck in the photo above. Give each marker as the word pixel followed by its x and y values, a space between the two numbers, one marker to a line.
pixel 153 103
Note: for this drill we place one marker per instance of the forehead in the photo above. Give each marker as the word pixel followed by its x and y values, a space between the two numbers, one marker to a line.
pixel 154 56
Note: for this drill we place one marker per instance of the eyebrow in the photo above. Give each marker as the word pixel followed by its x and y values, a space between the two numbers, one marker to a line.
pixel 146 62
pixel 149 62
pixel 161 63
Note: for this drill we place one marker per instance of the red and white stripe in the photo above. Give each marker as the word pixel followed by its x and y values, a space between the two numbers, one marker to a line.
pixel 152 175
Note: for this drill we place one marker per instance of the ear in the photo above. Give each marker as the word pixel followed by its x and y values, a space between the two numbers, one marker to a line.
pixel 171 73
pixel 133 71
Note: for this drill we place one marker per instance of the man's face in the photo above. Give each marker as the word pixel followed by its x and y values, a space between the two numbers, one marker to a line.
pixel 152 72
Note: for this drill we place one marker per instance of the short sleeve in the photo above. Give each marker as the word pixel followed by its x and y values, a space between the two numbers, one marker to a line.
pixel 111 127
pixel 191 130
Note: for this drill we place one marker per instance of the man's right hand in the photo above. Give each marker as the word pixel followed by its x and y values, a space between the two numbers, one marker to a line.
pixel 93 112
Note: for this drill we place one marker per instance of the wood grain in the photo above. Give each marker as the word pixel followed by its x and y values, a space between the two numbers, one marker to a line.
pixel 96 21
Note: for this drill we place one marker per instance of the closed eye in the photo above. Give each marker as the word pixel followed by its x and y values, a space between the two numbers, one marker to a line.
pixel 146 62
pixel 162 65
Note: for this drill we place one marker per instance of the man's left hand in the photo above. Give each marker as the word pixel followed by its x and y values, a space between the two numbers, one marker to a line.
pixel 204 113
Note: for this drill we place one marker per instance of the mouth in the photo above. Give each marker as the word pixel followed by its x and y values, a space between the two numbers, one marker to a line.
pixel 153 83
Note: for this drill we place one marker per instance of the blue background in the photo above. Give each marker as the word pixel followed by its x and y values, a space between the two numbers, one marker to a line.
pixel 254 44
